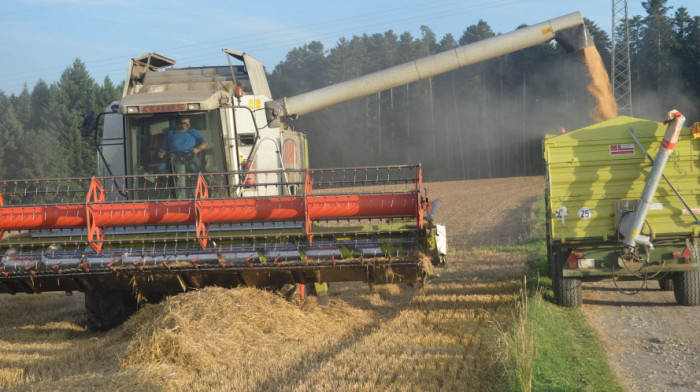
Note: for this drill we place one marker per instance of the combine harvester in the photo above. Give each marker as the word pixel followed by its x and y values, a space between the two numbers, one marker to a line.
pixel 242 209
pixel 610 215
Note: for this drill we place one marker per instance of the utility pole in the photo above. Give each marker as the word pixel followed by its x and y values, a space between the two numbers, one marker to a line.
pixel 620 67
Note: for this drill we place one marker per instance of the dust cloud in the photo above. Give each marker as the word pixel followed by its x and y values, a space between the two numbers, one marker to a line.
pixel 599 86
pixel 475 122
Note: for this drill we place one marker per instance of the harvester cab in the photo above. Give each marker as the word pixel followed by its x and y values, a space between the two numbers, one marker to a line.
pixel 224 106
pixel 232 201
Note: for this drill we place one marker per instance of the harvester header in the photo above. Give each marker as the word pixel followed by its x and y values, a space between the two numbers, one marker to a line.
pixel 66 235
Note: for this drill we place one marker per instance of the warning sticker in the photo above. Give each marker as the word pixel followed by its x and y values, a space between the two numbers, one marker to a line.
pixel 621 149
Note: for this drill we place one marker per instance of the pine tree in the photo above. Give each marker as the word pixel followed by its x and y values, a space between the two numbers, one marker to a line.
pixel 687 49
pixel 40 101
pixel 40 154
pixel 22 105
pixel 11 131
pixel 657 42
pixel 78 92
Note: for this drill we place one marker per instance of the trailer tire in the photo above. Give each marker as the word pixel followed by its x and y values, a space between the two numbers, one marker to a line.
pixel 666 284
pixel 686 288
pixel 571 292
pixel 108 308
pixel 567 291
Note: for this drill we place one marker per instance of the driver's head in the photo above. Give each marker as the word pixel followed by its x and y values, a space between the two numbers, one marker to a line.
pixel 183 123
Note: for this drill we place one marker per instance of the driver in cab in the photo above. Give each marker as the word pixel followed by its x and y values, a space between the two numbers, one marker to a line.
pixel 182 146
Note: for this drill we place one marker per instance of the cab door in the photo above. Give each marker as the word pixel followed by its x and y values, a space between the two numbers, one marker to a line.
pixel 294 159
pixel 112 163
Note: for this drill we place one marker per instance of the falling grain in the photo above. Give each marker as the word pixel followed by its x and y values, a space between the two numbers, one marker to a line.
pixel 599 86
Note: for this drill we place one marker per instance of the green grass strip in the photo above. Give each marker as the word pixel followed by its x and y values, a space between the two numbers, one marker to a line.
pixel 569 355
pixel 548 347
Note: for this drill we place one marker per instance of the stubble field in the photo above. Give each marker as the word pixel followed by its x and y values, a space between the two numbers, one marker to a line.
pixel 394 338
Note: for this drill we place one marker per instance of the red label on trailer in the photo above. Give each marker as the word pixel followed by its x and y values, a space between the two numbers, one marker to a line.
pixel 621 149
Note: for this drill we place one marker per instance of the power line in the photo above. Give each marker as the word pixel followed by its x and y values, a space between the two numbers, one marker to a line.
pixel 621 77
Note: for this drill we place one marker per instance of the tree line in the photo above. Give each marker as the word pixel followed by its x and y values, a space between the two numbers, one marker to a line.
pixel 488 119
pixel 485 120
pixel 39 135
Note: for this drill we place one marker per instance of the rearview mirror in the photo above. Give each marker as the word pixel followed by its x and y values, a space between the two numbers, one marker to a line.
pixel 89 123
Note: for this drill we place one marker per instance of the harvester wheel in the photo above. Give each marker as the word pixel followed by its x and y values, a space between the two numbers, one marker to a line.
pixel 108 308
pixel 686 288
pixel 666 284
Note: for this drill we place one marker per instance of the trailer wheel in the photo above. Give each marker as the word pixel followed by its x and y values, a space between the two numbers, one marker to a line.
pixel 686 288
pixel 108 308
pixel 571 292
pixel 666 284
pixel 567 291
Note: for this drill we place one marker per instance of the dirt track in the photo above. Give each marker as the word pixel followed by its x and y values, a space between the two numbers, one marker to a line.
pixel 651 342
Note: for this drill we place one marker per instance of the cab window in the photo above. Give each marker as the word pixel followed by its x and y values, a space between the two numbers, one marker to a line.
pixel 148 153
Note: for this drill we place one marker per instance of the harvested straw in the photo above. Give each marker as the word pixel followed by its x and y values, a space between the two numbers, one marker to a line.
pixel 249 334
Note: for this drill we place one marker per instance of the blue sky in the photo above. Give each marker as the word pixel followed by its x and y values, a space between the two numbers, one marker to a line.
pixel 40 38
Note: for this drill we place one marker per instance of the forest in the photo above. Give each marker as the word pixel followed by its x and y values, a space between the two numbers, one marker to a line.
pixel 486 120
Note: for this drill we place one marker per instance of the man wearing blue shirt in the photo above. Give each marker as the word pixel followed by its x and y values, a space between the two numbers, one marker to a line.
pixel 182 145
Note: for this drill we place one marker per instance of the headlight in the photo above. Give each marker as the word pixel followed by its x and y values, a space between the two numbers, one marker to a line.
pixel 192 106
pixel 132 109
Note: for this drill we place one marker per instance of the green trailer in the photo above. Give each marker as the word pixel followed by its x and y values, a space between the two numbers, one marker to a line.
pixel 597 178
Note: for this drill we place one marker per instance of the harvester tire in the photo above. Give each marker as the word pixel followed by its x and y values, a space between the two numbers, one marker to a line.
pixel 666 284
pixel 108 308
pixel 686 288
